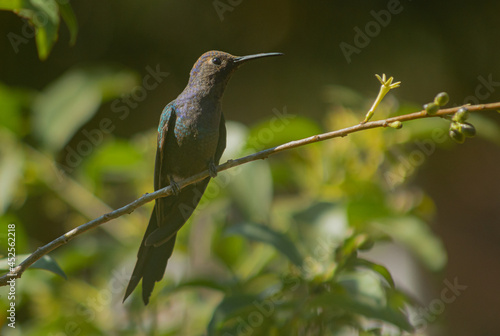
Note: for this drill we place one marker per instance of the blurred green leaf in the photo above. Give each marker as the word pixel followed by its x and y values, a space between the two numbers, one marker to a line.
pixel 419 238
pixel 12 103
pixel 228 249
pixel 203 282
pixel 266 235
pixel 366 205
pixel 252 189
pixel 486 128
pixel 277 131
pixel 313 212
pixel 361 293
pixel 11 168
pixel 358 305
pixel 46 263
pixel 70 19
pixel 49 264
pixel 250 185
pixel 382 270
pixel 66 104
pixel 113 158
pixel 47 28
pixel 43 15
pixel 230 306
pixel 344 96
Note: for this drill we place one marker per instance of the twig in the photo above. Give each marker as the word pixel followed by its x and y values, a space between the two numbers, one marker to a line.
pixel 129 208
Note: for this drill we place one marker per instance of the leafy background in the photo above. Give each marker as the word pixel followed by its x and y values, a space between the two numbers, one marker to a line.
pixel 309 242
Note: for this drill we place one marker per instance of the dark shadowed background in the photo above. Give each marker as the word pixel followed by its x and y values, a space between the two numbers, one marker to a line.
pixel 428 46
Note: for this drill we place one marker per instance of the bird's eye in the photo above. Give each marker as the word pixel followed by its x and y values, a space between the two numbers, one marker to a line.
pixel 216 60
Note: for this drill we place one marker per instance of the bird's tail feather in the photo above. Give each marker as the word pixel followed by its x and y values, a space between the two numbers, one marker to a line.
pixel 152 257
pixel 176 210
pixel 151 263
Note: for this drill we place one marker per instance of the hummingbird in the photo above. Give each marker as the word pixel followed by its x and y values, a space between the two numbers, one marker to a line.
pixel 191 139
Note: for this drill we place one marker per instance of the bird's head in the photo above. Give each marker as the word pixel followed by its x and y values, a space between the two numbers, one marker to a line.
pixel 214 68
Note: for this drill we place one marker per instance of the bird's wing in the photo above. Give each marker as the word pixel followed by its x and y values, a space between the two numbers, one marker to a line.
pixel 161 180
pixel 221 144
pixel 173 211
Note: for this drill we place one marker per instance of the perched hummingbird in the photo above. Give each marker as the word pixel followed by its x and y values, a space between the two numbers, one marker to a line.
pixel 191 139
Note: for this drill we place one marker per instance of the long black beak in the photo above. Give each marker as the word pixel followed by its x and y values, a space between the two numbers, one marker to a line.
pixel 242 59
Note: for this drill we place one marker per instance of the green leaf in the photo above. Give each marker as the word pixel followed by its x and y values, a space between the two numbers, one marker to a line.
pixel 46 263
pixel 361 293
pixel 264 234
pixel 418 237
pixel 230 306
pixel 360 307
pixel 113 158
pixel 250 185
pixel 230 250
pixel 252 190
pixel 11 5
pixel 43 15
pixel 277 131
pixel 382 270
pixel 63 107
pixel 13 101
pixel 486 129
pixel 49 264
pixel 202 282
pixel 66 104
pixel 70 19
pixel 11 168
pixel 47 28
pixel 366 206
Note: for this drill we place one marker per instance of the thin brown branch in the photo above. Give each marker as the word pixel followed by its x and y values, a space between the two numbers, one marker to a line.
pixel 129 208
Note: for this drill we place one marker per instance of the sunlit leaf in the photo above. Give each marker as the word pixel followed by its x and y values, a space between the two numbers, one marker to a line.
pixel 11 4
pixel 266 235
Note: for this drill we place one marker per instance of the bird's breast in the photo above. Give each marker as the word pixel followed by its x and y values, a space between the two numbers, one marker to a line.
pixel 195 139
